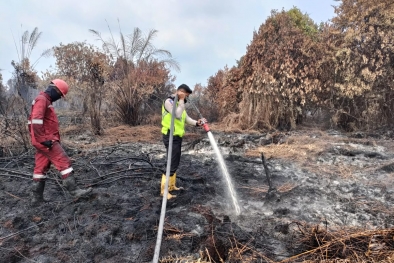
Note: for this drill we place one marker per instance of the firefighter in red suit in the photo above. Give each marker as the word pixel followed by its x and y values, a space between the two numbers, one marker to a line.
pixel 45 137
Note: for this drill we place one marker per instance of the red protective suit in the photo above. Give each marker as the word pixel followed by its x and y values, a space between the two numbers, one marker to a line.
pixel 44 126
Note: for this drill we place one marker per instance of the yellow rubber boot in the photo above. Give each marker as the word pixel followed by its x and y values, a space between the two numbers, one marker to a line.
pixel 171 186
pixel 163 184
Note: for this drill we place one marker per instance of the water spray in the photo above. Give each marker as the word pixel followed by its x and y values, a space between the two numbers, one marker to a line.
pixel 220 161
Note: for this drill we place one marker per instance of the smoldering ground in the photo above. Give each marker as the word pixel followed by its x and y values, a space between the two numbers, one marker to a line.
pixel 325 183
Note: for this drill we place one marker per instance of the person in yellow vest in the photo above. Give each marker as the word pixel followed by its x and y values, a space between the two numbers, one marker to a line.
pixel 180 119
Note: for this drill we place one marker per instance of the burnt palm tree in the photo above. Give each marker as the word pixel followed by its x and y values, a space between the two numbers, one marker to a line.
pixel 135 48
pixel 24 74
pixel 130 53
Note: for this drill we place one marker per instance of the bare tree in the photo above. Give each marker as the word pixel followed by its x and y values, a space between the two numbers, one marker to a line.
pixel 85 68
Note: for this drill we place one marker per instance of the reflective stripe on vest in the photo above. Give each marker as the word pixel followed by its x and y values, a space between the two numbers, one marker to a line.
pixel 179 124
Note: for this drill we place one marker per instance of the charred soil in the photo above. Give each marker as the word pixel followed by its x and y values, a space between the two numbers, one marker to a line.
pixel 332 198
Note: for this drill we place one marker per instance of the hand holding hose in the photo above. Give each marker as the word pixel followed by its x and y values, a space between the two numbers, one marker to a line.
pixel 201 122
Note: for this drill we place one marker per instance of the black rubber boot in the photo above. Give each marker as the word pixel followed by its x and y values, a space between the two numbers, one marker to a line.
pixel 37 189
pixel 71 186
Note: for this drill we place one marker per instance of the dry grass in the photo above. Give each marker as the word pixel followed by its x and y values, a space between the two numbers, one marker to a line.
pixel 126 133
pixel 344 245
pixel 111 136
pixel 231 128
pixel 71 130
pixel 7 145
pixel 307 146
pixel 300 148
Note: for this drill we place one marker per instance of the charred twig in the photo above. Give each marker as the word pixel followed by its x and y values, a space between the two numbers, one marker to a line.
pixel 114 179
pixel 272 191
pixel 58 182
pixel 18 232
pixel 17 197
pixel 267 173
pixel 16 159
pixel 130 169
pixel 97 171
pixel 12 171
pixel 90 165
pixel 16 176
pixel 124 159
pixel 169 229
pixel 24 256
pixel 68 225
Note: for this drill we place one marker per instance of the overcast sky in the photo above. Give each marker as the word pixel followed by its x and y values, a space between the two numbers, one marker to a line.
pixel 202 35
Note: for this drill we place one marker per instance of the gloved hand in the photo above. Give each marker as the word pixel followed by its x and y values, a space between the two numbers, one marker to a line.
pixel 201 121
pixel 47 144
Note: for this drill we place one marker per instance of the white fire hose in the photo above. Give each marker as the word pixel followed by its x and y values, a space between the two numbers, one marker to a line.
pixel 164 203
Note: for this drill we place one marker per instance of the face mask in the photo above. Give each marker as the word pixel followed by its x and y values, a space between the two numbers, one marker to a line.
pixel 51 91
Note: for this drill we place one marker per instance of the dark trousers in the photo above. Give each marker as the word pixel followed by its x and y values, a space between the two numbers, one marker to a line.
pixel 176 151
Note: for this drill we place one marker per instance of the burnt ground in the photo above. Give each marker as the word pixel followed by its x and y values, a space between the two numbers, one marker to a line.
pixel 323 180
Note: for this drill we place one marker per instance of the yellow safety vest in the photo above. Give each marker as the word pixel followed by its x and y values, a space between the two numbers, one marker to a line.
pixel 179 124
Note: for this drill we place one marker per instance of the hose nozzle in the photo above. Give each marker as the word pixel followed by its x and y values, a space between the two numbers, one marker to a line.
pixel 205 126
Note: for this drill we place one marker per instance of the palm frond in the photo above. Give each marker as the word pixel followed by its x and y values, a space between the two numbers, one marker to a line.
pixel 95 32
pixel 24 38
pixel 46 53
pixel 172 63
pixel 34 36
pixel 136 41
pixel 123 47
pixel 136 47
pixel 147 45
pixel 16 46
pixel 113 46
pixel 162 52
pixel 109 46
